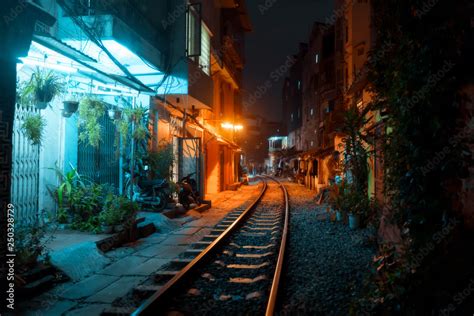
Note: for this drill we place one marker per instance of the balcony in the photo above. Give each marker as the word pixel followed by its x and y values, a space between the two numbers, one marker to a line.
pixel 138 18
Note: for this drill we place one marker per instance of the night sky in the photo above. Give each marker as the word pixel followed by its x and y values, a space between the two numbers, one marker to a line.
pixel 278 27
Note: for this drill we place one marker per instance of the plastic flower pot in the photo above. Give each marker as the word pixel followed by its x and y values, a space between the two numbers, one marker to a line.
pixel 339 216
pixel 354 221
pixel 70 106
pixel 41 105
pixel 66 113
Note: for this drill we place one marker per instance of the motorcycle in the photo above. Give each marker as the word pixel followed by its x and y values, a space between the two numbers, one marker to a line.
pixel 153 194
pixel 187 193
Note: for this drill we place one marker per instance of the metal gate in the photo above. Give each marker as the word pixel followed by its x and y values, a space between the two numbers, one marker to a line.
pixel 100 164
pixel 25 173
pixel 189 159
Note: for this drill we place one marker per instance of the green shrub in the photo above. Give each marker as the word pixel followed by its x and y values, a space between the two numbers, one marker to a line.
pixel 29 243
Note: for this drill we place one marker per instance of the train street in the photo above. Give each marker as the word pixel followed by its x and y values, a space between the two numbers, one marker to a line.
pixel 235 157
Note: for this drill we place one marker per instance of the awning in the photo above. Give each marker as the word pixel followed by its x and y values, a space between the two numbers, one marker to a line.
pixel 49 52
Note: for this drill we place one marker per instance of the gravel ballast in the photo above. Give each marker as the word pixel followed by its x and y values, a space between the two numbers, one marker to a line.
pixel 326 261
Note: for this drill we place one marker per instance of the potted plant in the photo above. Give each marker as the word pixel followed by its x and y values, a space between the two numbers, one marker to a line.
pixel 359 204
pixel 42 88
pixel 136 114
pixel 115 113
pixel 117 211
pixel 70 106
pixel 337 200
pixel 90 111
pixel 33 127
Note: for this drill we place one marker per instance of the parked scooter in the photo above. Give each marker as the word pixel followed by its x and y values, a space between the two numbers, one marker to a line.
pixel 188 193
pixel 150 194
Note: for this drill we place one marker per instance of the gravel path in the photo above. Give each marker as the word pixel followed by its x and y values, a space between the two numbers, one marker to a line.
pixel 327 262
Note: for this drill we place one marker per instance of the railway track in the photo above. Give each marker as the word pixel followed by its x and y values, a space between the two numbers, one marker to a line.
pixel 238 270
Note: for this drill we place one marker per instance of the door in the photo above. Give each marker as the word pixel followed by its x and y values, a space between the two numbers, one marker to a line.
pixel 189 159
pixel 100 164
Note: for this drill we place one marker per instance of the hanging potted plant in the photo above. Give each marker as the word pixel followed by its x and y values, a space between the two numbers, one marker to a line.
pixel 115 113
pixel 90 111
pixel 137 114
pixel 33 127
pixel 42 88
pixel 70 105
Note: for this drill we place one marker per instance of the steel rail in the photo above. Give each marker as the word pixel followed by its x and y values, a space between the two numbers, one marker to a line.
pixel 152 304
pixel 272 300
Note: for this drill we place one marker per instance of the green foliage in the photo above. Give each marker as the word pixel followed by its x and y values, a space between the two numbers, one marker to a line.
pixel 33 127
pixel 29 243
pixel 90 111
pixel 123 129
pixel 68 181
pixel 137 117
pixel 417 84
pixel 347 198
pixel 355 143
pixel 85 205
pixel 140 133
pixel 42 87
pixel 79 200
pixel 161 162
pixel 137 114
pixel 117 210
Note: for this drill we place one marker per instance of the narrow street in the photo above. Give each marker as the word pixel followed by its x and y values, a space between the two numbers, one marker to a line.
pixel 236 157
pixel 105 278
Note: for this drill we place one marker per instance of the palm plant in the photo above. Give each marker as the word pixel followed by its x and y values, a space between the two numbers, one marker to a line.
pixel 41 89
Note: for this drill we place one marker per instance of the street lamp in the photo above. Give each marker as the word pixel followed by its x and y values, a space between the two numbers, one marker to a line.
pixel 235 127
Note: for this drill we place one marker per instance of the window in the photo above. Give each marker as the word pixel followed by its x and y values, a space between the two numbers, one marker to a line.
pixel 317 58
pixel 311 111
pixel 193 30
pixel 205 58
pixel 292 117
pixel 299 84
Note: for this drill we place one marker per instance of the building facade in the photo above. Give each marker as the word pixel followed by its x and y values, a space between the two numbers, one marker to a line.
pixel 180 61
pixel 293 99
pixel 333 78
